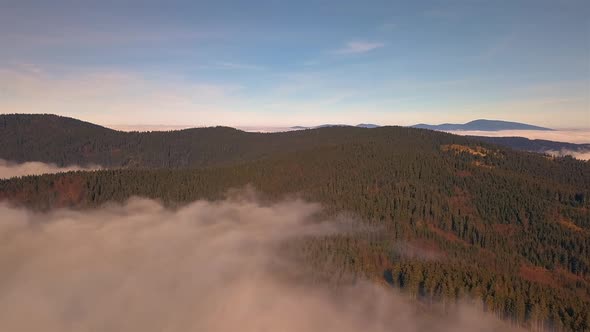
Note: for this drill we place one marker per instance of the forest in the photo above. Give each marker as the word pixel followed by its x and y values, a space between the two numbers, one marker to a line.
pixel 445 218
pixel 66 141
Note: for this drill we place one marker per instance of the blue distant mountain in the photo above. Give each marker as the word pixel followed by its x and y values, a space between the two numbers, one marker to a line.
pixel 360 125
pixel 367 125
pixel 482 125
pixel 331 125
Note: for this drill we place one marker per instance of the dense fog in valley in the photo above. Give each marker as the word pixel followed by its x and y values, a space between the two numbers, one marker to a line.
pixel 569 136
pixel 208 266
pixel 579 136
pixel 10 169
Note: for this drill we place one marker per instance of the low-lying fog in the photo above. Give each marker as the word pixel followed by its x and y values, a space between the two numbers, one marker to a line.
pixel 583 155
pixel 9 169
pixel 209 266
pixel 578 136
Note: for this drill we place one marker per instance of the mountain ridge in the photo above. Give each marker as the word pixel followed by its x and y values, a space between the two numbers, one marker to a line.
pixel 482 125
pixel 360 125
pixel 67 141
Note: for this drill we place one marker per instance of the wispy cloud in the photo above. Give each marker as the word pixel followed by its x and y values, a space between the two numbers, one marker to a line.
pixel 229 65
pixel 355 47
pixel 388 26
pixel 83 37
pixel 310 63
pixel 500 47
pixel 441 13
pixel 237 65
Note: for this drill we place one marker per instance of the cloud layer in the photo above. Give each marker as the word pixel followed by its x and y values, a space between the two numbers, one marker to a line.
pixel 359 47
pixel 583 155
pixel 570 136
pixel 10 170
pixel 210 266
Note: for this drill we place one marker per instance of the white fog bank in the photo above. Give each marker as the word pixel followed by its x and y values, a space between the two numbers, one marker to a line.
pixel 210 266
pixel 9 169
pixel 578 136
pixel 582 155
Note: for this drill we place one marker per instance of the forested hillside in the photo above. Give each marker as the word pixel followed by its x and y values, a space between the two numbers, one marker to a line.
pixel 66 141
pixel 451 217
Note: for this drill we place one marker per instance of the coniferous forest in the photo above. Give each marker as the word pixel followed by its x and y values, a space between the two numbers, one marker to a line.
pixel 507 229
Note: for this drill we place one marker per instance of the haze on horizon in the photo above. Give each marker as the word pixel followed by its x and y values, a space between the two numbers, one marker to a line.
pixel 275 63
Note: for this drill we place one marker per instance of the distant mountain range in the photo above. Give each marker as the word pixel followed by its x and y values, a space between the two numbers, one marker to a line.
pixel 360 125
pixel 481 125
pixel 516 143
pixel 475 125
pixel 367 125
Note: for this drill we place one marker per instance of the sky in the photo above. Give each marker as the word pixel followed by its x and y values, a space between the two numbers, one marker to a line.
pixel 286 63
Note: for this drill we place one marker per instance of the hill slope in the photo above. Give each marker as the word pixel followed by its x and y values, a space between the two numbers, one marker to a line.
pixel 476 220
pixel 65 141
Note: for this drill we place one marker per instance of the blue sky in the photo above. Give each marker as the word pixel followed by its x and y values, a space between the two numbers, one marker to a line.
pixel 279 63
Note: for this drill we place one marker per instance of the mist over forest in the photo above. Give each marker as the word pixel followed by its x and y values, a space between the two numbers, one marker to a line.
pixel 211 266
pixel 348 228
pixel 296 166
